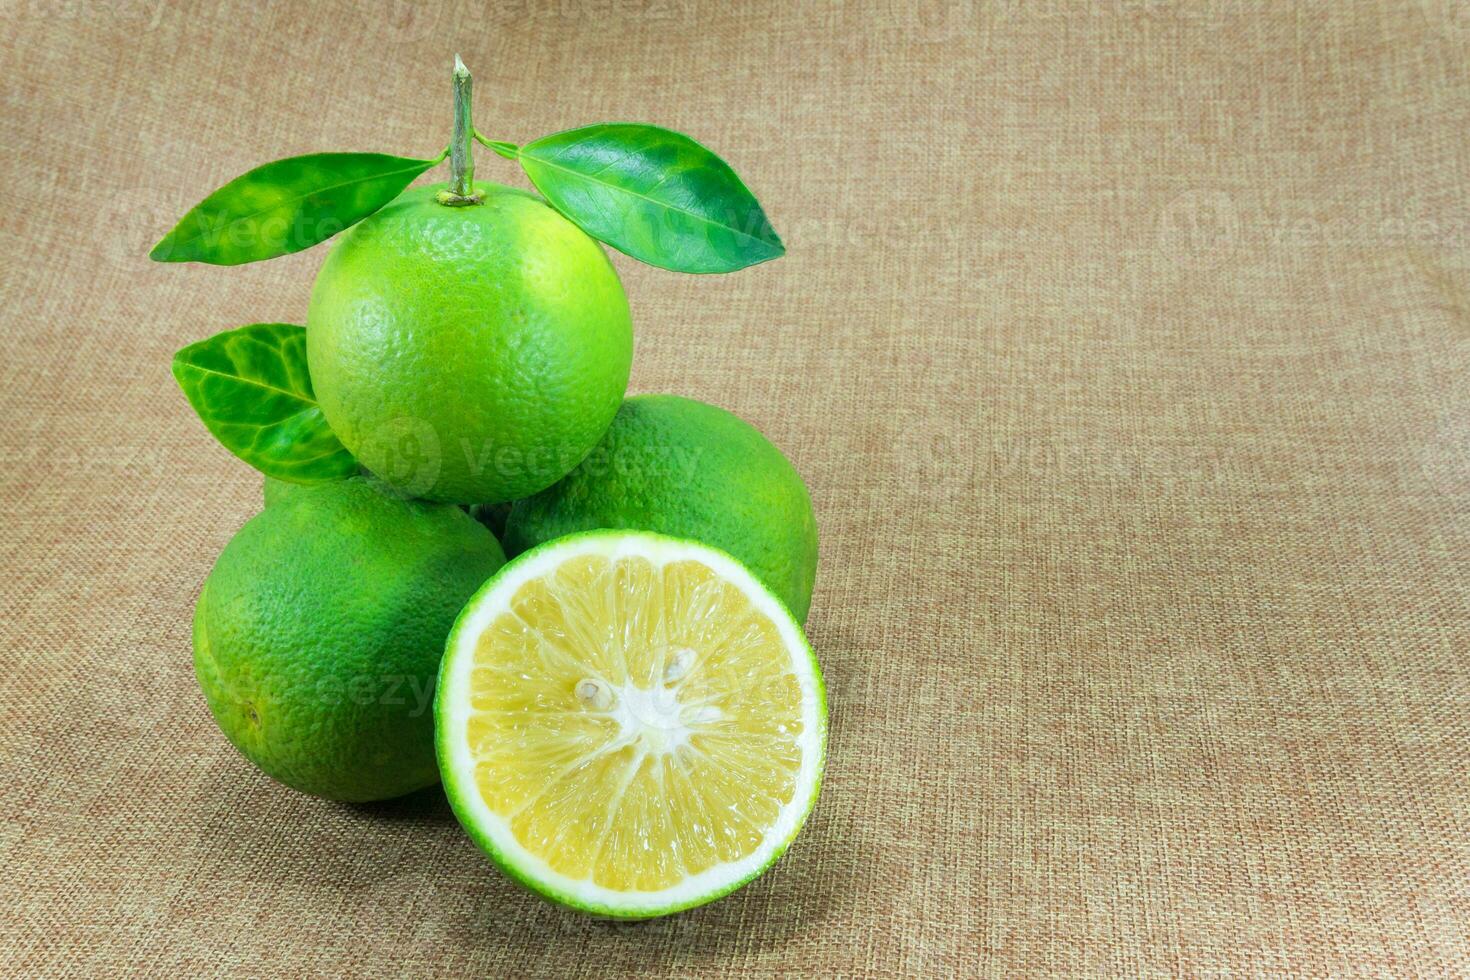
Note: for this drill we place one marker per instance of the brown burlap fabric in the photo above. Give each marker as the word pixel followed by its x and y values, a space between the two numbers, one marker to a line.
pixel 1125 346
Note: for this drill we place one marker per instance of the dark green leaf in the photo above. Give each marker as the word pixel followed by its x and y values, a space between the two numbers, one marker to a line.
pixel 654 194
pixel 251 389
pixel 286 206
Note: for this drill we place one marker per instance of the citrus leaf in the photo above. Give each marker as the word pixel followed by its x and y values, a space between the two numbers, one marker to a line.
pixel 286 206
pixel 655 194
pixel 251 390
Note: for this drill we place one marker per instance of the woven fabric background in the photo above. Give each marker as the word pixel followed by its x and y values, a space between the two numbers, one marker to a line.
pixel 1125 346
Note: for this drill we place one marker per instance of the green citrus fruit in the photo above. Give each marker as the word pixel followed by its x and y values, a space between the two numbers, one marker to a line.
pixel 630 724
pixel 681 467
pixel 274 491
pixel 468 354
pixel 492 516
pixel 318 634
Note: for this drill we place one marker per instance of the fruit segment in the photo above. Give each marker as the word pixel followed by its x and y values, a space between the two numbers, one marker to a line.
pixel 634 724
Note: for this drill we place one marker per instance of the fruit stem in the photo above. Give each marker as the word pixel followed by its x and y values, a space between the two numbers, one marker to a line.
pixel 461 156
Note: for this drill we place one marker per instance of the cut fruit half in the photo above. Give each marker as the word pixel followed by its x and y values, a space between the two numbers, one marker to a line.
pixel 630 724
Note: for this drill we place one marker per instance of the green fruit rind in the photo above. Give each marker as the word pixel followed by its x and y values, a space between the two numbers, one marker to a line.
pixel 468 354
pixel 318 633
pixel 685 468
pixel 463 795
pixel 274 491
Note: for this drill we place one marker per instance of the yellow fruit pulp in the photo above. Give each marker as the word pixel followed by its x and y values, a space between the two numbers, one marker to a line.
pixel 634 724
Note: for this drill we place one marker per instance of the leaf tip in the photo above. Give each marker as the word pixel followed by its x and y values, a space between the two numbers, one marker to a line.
pixel 460 71
pixel 180 364
pixel 164 250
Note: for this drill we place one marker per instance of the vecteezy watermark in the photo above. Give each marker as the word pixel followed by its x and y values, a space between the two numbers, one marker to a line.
pixel 406 453
pixel 412 692
pixel 1214 12
pixel 115 460
pixel 954 461
pixel 601 11
pixel 934 21
pixel 400 21
pixel 132 221
pixel 1203 221
pixel 543 463
pixel 1445 457
pixel 377 20
pixel 1449 17
pixel 143 14
pixel 939 21
pixel 411 454
pixel 1199 221
pixel 281 233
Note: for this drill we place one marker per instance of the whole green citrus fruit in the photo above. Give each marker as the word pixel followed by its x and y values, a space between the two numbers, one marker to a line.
pixel 469 354
pixel 318 634
pixel 683 468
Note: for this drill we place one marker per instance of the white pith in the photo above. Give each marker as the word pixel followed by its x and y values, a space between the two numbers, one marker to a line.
pixel 652 717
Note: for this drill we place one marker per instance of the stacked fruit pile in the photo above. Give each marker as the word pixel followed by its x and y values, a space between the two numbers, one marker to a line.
pixel 626 716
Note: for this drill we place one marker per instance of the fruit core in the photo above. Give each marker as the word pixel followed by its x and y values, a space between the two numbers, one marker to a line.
pixel 652 717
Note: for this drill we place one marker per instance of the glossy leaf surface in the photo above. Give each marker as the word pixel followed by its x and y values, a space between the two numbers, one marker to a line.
pixel 655 194
pixel 251 389
pixel 286 206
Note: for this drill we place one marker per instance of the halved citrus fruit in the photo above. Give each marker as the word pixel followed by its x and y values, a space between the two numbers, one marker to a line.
pixel 630 724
